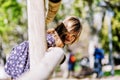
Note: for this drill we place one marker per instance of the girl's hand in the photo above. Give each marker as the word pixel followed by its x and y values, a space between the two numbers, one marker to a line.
pixel 51 31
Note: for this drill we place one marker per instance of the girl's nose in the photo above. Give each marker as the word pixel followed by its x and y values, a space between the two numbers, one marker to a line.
pixel 70 38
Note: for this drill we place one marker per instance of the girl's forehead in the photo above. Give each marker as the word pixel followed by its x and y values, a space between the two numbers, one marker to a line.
pixel 73 32
pixel 71 29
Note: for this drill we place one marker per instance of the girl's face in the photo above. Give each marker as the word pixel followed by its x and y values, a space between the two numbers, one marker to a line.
pixel 70 37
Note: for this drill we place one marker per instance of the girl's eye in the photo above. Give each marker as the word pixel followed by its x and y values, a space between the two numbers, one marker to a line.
pixel 74 36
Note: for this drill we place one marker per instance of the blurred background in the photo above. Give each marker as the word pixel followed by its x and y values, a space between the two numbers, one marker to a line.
pixel 101 26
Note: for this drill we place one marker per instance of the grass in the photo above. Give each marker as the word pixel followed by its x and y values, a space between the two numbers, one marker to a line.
pixel 117 72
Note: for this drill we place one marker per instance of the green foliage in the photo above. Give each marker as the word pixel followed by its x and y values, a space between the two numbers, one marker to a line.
pixel 10 14
pixel 12 23
pixel 117 73
pixel 116 30
pixel 11 11
pixel 115 33
pixel 77 8
pixel 73 8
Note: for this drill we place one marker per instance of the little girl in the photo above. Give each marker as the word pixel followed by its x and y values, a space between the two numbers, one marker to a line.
pixel 65 33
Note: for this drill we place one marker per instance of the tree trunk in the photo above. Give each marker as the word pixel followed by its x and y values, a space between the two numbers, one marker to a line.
pixel 36 31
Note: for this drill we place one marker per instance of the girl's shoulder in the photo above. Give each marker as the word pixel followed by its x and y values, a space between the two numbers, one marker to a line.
pixel 22 44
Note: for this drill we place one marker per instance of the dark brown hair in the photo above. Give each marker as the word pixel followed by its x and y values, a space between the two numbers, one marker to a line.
pixel 61 30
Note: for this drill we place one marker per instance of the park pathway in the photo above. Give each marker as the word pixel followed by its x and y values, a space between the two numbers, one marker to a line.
pixel 104 78
pixel 3 77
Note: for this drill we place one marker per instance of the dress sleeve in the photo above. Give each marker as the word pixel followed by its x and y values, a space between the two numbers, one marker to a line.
pixel 17 63
pixel 50 41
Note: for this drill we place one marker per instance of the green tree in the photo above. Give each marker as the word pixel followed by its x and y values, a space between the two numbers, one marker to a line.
pixel 115 28
pixel 12 24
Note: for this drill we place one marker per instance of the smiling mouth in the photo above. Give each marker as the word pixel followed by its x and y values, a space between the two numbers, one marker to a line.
pixel 68 42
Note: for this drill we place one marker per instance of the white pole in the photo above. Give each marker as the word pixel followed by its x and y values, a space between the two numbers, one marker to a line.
pixel 36 31
pixel 110 15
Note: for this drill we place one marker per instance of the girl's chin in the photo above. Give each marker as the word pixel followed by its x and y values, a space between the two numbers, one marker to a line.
pixel 67 42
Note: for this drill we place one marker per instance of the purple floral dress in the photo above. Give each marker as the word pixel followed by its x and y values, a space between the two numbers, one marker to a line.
pixel 18 61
